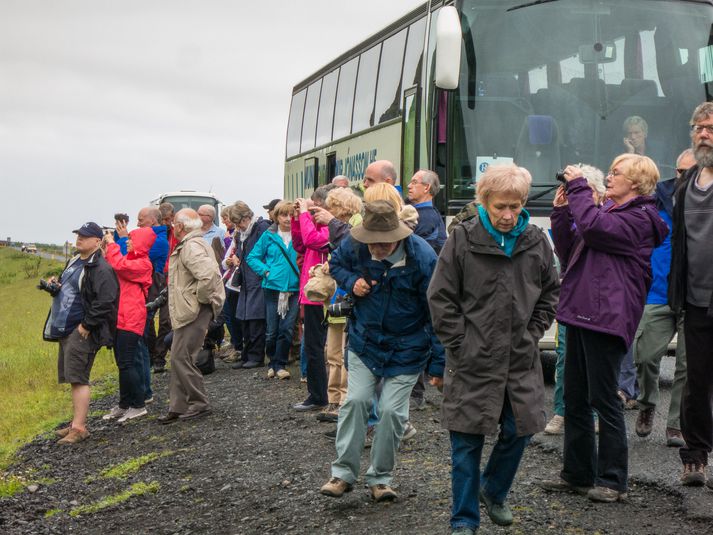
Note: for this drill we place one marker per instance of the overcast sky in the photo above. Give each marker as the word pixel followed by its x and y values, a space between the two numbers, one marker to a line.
pixel 104 104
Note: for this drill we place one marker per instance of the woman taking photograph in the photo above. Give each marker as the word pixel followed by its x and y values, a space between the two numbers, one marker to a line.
pixel 492 297
pixel 275 260
pixel 605 253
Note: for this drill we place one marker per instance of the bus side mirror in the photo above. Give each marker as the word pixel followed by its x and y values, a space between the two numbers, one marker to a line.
pixel 448 45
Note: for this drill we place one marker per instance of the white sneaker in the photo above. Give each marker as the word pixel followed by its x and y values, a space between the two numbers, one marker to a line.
pixel 282 374
pixel 409 432
pixel 132 413
pixel 555 426
pixel 115 412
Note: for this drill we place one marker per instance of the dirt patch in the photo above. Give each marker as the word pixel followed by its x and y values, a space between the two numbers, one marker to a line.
pixel 255 466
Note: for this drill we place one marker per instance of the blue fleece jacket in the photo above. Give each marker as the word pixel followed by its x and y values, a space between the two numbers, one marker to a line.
pixel 430 225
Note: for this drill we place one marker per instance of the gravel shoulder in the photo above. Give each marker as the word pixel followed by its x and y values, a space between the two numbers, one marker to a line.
pixel 255 466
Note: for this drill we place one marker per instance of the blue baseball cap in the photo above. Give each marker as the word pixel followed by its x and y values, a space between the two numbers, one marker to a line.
pixel 90 230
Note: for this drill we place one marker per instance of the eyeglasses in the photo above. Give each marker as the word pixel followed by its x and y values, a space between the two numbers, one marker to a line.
pixel 699 128
pixel 681 170
pixel 614 173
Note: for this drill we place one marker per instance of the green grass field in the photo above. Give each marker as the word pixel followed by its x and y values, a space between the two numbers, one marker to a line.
pixel 31 401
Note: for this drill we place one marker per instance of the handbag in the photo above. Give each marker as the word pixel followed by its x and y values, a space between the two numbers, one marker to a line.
pixel 321 286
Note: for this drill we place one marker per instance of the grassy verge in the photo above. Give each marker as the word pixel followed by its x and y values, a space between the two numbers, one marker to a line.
pixel 31 401
pixel 137 489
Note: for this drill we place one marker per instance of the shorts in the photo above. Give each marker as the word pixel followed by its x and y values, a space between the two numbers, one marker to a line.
pixel 76 357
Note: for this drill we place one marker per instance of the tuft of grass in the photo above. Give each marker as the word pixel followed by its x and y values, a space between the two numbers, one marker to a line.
pixel 33 402
pixel 11 485
pixel 137 489
pixel 131 466
pixel 51 512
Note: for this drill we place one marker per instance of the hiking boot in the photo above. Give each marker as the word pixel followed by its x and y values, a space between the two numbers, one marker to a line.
pixel 605 495
pixel 555 426
pixel 694 475
pixel 231 357
pixel 418 403
pixel 336 488
pixel 61 433
pixel 560 485
pixel 499 513
pixel 74 436
pixel 383 493
pixel 645 421
pixel 674 438
pixel 369 436
pixel 329 414
pixel 169 418
pixel 282 374
pixel 270 373
pixel 132 413
pixel 409 432
pixel 114 413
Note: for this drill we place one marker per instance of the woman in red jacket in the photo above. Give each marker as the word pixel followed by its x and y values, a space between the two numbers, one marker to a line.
pixel 134 272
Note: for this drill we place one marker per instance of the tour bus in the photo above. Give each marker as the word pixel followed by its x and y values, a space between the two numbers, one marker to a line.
pixel 190 199
pixel 457 86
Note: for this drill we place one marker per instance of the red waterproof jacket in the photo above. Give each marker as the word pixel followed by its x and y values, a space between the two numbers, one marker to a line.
pixel 134 272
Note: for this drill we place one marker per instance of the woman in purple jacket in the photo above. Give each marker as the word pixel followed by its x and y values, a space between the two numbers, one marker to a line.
pixel 605 253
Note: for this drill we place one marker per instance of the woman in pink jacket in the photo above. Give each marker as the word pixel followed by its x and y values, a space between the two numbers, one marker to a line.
pixel 134 272
pixel 311 240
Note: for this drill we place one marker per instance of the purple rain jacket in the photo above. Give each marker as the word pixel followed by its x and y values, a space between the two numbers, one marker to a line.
pixel 605 254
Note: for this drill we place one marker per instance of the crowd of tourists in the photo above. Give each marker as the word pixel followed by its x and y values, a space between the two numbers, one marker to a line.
pixel 363 287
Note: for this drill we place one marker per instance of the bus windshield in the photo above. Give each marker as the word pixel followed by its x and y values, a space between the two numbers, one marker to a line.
pixel 545 85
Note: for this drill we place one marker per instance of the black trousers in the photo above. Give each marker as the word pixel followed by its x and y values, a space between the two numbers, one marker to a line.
pixel 696 416
pixel 253 341
pixel 315 336
pixel 591 374
pixel 155 342
pixel 131 383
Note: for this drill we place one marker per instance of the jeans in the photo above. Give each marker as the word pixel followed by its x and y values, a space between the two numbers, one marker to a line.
pixel 303 359
pixel 143 366
pixel 591 377
pixel 499 473
pixel 627 376
pixel 233 323
pixel 278 331
pixel 353 415
pixel 131 384
pixel 696 416
pixel 315 335
pixel 560 349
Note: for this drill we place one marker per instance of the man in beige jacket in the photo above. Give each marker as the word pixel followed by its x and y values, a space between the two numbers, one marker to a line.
pixel 195 297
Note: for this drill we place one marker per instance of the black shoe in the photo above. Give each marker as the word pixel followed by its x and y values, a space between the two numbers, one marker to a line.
pixel 169 418
pixel 252 364
pixel 307 406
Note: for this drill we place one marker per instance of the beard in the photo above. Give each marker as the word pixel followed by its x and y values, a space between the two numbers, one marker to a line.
pixel 704 155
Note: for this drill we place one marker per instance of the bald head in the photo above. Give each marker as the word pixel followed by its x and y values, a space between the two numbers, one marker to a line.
pixel 340 181
pixel 148 217
pixel 380 171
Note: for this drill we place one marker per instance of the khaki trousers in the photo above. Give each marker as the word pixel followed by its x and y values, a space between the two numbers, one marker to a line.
pixel 186 389
pixel 337 372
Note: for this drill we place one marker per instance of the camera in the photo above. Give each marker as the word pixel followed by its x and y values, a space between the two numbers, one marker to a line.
pixel 560 176
pixel 161 299
pixel 51 287
pixel 124 218
pixel 342 307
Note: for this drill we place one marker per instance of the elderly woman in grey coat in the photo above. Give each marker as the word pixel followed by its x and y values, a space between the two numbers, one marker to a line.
pixel 492 297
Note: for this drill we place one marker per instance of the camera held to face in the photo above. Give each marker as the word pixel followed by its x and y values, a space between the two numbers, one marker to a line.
pixel 51 287
pixel 342 308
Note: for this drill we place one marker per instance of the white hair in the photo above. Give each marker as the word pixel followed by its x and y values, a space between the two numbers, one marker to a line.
pixel 595 178
pixel 188 220
pixel 209 207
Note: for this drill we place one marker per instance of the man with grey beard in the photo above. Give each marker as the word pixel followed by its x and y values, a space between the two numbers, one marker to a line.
pixel 691 289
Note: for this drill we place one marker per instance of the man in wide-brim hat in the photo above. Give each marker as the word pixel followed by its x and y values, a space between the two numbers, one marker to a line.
pixel 387 269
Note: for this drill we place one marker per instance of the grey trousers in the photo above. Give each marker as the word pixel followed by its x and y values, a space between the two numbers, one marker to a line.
pixel 186 389
pixel 656 329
